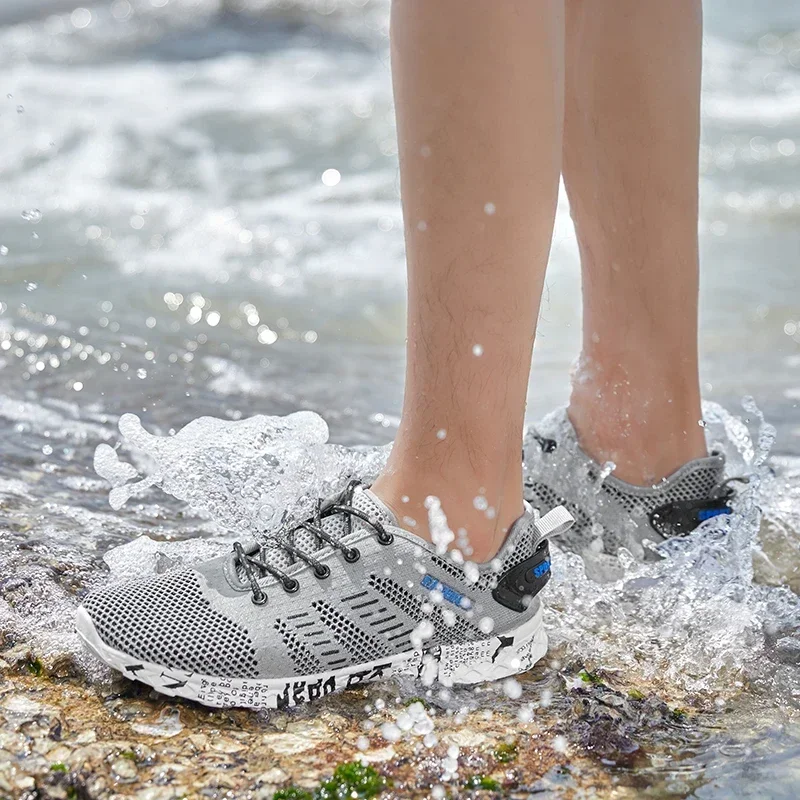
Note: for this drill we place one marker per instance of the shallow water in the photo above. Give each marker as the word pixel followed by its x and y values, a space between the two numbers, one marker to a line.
pixel 169 249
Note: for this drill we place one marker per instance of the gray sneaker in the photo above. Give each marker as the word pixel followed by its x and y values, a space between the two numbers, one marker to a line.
pixel 343 598
pixel 610 513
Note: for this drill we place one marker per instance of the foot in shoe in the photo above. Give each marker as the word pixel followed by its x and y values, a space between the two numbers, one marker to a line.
pixel 610 513
pixel 343 598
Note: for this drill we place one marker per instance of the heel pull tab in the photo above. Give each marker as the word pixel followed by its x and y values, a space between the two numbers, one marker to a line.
pixel 555 522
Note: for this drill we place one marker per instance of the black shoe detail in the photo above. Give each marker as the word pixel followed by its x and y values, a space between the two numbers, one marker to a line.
pixel 681 517
pixel 505 641
pixel 517 587
pixel 547 445
pixel 134 668
pixel 177 683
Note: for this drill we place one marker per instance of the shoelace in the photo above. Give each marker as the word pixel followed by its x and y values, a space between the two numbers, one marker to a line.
pixel 255 562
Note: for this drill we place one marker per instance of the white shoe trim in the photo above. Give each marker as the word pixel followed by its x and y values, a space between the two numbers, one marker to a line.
pixel 489 659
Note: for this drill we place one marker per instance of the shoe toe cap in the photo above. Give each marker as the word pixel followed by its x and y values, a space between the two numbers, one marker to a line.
pixel 169 621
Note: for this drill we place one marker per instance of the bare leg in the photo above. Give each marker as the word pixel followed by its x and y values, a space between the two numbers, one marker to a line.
pixel 479 94
pixel 630 166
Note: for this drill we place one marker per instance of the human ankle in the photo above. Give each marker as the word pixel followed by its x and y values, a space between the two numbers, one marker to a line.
pixel 478 515
pixel 646 422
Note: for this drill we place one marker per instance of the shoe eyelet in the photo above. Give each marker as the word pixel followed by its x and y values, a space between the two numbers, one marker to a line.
pixel 322 572
pixel 291 585
pixel 259 599
pixel 385 538
pixel 352 555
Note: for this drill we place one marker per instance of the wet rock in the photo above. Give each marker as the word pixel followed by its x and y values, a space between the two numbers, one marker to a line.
pixel 124 770
pixel 119 747
pixel 168 724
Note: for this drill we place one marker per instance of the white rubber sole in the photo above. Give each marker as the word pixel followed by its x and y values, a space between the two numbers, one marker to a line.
pixel 490 659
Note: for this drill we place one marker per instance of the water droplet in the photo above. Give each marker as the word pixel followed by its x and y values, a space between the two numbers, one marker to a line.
pixel 32 215
pixel 81 18
pixel 331 177
pixel 422 633
pixel 489 209
pixel 267 336
pixel 20 109
pixel 3 250
pixel 441 433
pixel 391 732
pixel 486 625
pixel 477 350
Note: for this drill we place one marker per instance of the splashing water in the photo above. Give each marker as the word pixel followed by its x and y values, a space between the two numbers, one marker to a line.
pixel 248 475
pixel 691 622
pixel 701 626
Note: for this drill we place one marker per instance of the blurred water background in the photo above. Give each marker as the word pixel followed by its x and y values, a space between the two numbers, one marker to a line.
pixel 200 216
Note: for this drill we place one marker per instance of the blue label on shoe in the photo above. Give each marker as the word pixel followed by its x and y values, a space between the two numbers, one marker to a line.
pixel 542 568
pixel 707 513
pixel 448 592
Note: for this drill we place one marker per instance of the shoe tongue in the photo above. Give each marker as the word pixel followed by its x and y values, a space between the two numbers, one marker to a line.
pixel 370 504
pixel 335 525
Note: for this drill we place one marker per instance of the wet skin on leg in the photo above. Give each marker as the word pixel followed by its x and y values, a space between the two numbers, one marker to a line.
pixel 479 96
pixel 631 137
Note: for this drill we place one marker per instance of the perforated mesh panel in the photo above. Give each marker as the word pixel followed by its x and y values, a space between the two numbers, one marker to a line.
pixel 168 621
pixel 306 662
pixel 409 603
pixel 381 618
pixel 544 498
pixel 356 641
pixel 694 485
pixel 365 502
pixel 697 483
pixel 449 567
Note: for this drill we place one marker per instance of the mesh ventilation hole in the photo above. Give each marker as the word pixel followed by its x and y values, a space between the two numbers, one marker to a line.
pixel 696 485
pixel 411 605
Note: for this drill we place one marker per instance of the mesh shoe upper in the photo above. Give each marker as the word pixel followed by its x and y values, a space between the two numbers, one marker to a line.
pixel 204 619
pixel 170 620
pixel 609 513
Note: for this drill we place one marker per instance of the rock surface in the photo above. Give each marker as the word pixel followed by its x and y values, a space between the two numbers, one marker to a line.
pixel 563 737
